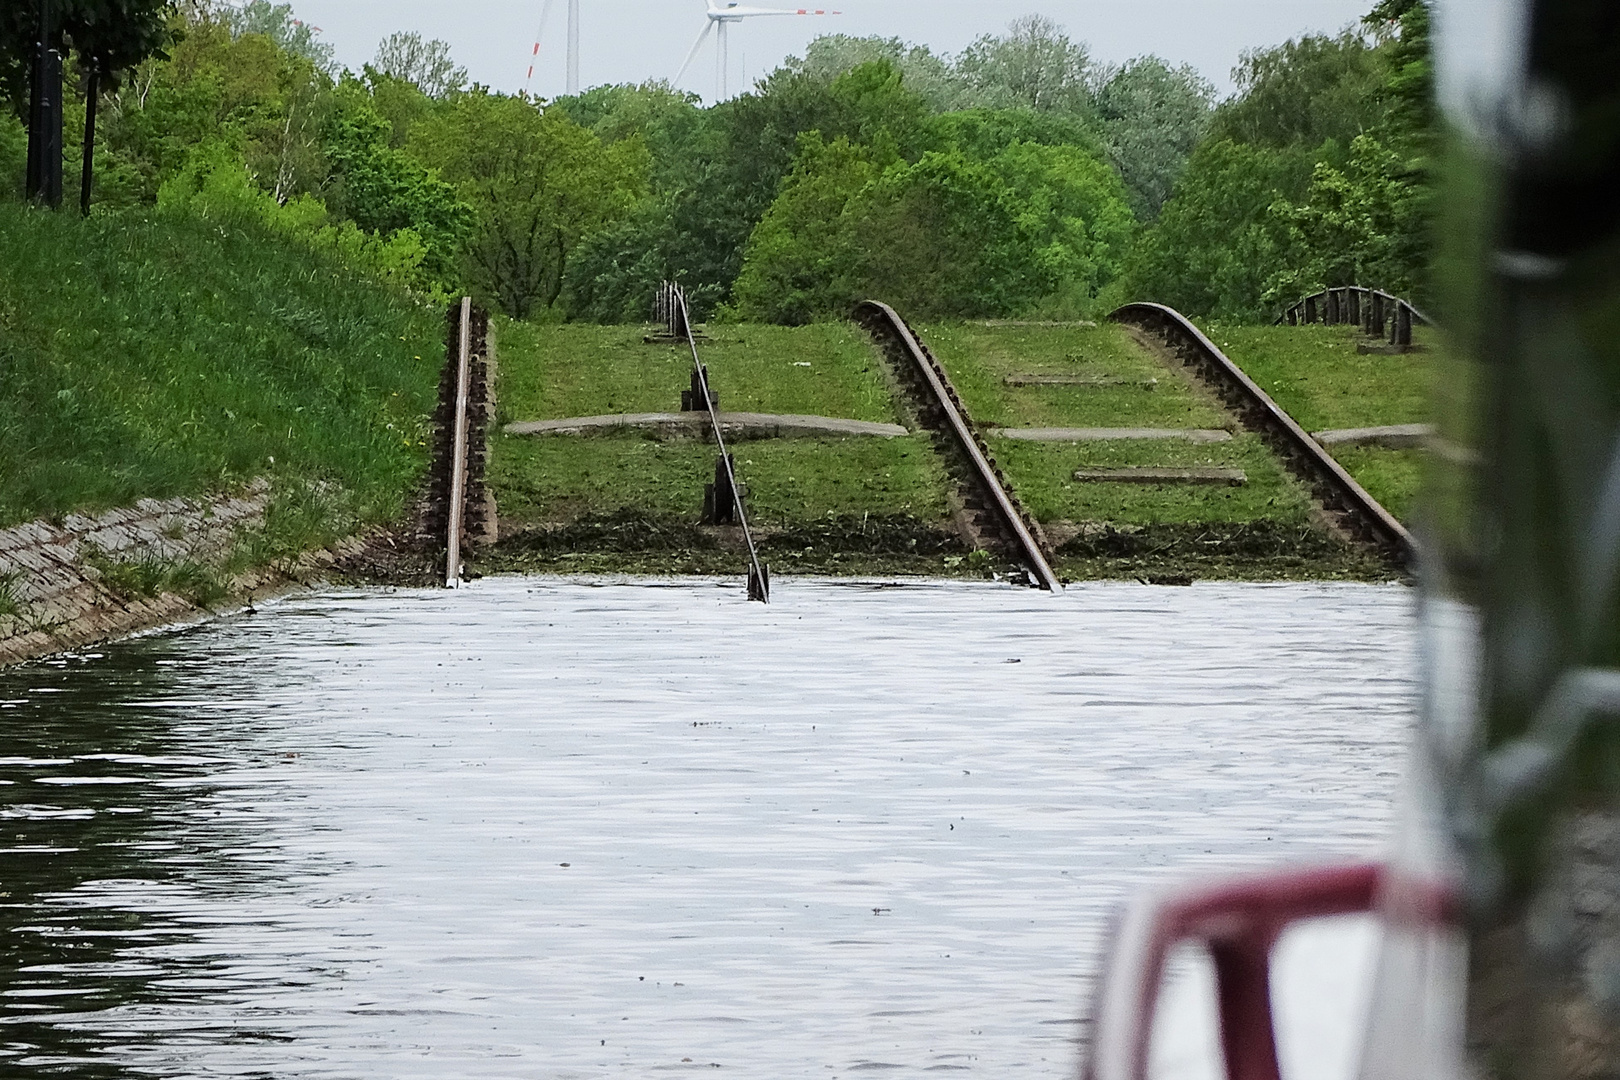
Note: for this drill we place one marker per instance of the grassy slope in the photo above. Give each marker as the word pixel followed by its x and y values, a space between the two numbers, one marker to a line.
pixel 1315 374
pixel 149 358
pixel 979 358
pixel 559 371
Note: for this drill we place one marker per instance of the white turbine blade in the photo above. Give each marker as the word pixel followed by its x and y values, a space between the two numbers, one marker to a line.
pixel 539 35
pixel 691 56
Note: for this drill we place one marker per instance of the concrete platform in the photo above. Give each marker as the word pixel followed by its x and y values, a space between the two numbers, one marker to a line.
pixel 734 425
pixel 1223 477
pixel 1394 437
pixel 1195 435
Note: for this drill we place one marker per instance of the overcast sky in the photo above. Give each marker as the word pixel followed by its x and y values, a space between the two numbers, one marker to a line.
pixel 636 40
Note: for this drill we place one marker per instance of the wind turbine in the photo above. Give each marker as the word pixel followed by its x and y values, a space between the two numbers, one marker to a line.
pixel 573 45
pixel 722 15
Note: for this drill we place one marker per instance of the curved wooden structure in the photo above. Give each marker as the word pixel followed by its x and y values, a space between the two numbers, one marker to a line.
pixel 1355 511
pixel 1378 313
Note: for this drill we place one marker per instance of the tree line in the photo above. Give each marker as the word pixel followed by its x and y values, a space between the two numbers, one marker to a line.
pixel 1018 177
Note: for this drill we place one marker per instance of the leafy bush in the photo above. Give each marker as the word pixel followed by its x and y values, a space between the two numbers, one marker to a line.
pixel 944 236
pixel 215 185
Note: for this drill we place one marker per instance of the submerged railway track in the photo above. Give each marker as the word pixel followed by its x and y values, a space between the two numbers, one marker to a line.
pixel 991 513
pixel 1354 512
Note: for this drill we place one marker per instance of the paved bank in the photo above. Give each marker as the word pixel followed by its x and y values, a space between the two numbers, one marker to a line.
pixel 88 578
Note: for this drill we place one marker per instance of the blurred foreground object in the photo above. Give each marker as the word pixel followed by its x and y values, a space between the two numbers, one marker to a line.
pixel 1496 924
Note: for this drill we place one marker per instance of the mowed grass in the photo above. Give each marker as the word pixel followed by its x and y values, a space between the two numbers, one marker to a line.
pixel 1316 375
pixel 788 481
pixel 159 356
pixel 979 360
pixel 550 372
pixel 1044 476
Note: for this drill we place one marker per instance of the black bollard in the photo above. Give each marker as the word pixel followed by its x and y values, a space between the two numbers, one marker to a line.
pixel 692 400
pixel 720 498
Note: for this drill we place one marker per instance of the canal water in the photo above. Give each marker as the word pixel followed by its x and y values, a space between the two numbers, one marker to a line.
pixel 548 828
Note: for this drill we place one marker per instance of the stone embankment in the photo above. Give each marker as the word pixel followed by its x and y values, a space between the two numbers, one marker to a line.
pixel 84 578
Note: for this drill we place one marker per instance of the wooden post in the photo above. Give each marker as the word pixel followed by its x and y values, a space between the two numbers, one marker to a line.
pixel 458 458
pixel 1353 297
pixel 92 97
pixel 1403 327
pixel 1310 309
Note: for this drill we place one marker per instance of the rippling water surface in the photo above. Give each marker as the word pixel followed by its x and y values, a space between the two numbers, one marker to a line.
pixel 538 828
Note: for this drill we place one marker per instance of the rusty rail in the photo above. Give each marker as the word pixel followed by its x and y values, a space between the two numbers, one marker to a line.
pixel 1378 313
pixel 670 308
pixel 455 511
pixel 1355 511
pixel 950 420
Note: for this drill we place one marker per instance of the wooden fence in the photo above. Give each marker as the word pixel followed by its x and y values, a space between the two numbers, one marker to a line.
pixel 1379 314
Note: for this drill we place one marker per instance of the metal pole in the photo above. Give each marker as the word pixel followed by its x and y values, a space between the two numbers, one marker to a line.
pixel 92 97
pixel 721 60
pixel 573 46
pixel 759 577
pixel 458 458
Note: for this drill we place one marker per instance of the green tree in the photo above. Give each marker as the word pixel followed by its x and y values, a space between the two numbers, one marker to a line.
pixel 803 260
pixel 947 235
pixel 1035 66
pixel 1364 223
pixel 386 190
pixel 425 64
pixel 1217 243
pixel 540 185
pixel 1152 117
pixel 931 77
pixel 277 22
pixel 108 36
pixel 1304 92
pixel 268 103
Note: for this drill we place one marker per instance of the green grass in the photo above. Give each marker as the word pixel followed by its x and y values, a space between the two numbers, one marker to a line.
pixel 551 372
pixel 1393 477
pixel 550 480
pixel 1314 373
pixel 548 372
pixel 979 359
pixel 158 356
pixel 1044 476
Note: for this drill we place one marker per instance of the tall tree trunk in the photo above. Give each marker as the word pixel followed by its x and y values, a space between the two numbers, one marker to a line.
pixel 45 112
pixel 92 96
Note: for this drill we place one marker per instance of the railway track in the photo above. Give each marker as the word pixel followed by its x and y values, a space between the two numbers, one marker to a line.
pixel 456 510
pixel 993 516
pixel 1356 513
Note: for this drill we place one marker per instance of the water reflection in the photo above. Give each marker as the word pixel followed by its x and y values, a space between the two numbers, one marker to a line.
pixel 583 829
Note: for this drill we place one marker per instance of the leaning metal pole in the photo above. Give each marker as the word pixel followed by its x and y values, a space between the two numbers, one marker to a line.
pixel 759 575
pixel 1522 539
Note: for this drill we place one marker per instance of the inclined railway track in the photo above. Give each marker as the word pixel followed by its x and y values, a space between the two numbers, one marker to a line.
pixel 1355 512
pixel 997 520
pixel 455 512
